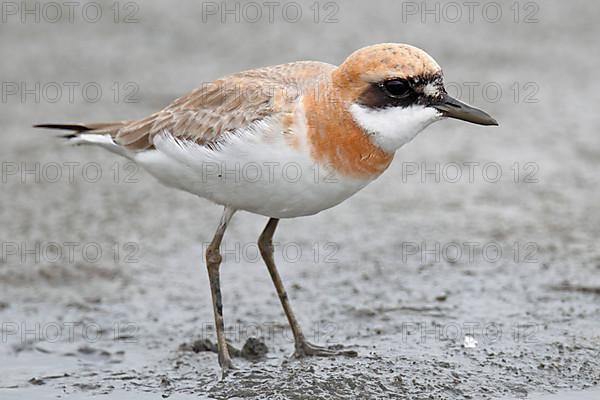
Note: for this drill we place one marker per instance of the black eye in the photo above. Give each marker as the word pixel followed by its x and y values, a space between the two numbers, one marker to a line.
pixel 396 88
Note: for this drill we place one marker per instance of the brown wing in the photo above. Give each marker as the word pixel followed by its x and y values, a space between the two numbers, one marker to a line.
pixel 225 105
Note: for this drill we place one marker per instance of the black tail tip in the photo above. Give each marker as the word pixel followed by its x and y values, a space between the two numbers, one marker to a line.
pixel 64 127
pixel 75 129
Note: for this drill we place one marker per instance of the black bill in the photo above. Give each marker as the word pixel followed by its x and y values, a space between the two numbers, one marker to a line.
pixel 453 108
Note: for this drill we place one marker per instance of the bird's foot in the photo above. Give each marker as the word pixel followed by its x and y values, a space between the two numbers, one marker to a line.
pixel 307 349
pixel 225 359
pixel 226 366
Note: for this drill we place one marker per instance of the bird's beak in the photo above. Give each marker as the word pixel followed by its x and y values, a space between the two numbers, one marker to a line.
pixel 452 108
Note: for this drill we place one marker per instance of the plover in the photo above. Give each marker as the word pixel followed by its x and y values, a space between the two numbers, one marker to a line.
pixel 307 134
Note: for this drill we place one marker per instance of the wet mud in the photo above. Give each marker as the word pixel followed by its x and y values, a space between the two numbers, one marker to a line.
pixel 406 273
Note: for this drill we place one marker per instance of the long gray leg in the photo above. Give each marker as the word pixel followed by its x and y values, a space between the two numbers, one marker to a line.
pixel 213 263
pixel 303 348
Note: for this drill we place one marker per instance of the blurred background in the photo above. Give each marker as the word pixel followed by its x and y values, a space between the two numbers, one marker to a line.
pixel 470 269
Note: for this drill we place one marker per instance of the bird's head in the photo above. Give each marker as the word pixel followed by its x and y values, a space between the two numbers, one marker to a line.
pixel 394 91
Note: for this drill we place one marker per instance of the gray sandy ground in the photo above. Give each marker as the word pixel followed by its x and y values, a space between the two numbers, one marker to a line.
pixel 534 313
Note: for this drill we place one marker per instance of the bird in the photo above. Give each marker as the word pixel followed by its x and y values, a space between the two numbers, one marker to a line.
pixel 284 141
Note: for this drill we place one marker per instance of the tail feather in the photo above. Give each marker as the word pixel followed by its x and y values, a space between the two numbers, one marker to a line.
pixel 100 134
pixel 78 128
pixel 65 127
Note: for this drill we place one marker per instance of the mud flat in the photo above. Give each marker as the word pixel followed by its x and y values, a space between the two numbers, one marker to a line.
pixel 388 273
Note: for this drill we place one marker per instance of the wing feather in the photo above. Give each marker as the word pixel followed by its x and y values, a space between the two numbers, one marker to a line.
pixel 227 105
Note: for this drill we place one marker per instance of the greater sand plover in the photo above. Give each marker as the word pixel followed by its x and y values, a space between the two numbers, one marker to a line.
pixel 280 123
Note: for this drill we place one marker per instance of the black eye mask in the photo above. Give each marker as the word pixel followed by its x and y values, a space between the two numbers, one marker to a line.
pixel 399 92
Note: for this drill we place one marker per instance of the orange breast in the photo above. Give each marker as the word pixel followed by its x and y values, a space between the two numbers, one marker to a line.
pixel 337 140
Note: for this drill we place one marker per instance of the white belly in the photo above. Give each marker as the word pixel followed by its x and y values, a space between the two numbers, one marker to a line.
pixel 266 177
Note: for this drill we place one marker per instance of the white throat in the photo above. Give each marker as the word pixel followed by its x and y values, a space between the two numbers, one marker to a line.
pixel 393 127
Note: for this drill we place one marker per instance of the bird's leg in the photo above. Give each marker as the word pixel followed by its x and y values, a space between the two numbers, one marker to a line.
pixel 213 262
pixel 303 348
